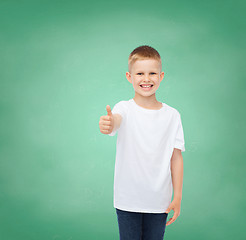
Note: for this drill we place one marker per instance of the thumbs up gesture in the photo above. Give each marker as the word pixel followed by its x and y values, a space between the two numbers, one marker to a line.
pixel 106 123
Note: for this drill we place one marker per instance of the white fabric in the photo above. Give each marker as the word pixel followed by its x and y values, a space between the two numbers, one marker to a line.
pixel 145 143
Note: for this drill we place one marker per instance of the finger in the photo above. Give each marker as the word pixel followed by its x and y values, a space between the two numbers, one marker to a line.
pixel 168 222
pixel 171 220
pixel 105 118
pixel 105 127
pixel 175 215
pixel 109 110
pixel 105 122
pixel 104 131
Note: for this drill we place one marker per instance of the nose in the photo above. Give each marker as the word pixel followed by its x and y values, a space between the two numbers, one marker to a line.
pixel 146 78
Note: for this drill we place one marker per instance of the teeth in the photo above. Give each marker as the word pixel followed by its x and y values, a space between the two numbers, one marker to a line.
pixel 146 86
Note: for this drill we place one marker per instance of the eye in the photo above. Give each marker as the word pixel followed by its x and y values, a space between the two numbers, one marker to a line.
pixel 139 73
pixel 153 73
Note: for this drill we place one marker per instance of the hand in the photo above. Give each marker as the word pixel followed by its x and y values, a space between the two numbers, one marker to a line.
pixel 106 123
pixel 175 205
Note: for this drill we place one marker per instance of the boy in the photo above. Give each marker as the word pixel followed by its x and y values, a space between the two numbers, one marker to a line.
pixel 148 154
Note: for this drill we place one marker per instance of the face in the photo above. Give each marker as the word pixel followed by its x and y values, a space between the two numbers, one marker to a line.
pixel 145 76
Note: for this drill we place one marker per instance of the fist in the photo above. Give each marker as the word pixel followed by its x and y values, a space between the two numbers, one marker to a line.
pixel 106 123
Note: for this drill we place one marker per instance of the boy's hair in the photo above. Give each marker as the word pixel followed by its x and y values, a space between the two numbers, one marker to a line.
pixel 142 53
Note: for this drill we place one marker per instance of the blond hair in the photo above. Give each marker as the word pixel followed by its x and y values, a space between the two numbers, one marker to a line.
pixel 142 53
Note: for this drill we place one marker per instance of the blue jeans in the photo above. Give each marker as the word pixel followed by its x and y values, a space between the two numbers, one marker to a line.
pixel 141 226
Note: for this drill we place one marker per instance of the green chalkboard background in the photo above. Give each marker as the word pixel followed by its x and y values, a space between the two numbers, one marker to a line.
pixel 62 62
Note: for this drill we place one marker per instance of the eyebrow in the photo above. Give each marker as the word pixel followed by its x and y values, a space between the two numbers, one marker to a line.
pixel 155 70
pixel 150 71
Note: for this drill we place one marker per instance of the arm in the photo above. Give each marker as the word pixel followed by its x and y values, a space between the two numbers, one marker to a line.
pixel 177 173
pixel 177 181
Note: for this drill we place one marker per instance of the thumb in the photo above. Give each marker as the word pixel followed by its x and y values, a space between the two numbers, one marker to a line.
pixel 109 110
pixel 168 210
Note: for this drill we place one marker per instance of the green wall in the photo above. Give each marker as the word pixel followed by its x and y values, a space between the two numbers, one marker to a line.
pixel 62 62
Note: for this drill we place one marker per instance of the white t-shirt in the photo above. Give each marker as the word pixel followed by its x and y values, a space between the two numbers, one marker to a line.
pixel 145 143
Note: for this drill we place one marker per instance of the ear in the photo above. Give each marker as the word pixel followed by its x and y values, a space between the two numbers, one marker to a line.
pixel 161 76
pixel 128 76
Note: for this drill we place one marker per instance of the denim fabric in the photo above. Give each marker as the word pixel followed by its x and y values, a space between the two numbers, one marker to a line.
pixel 141 226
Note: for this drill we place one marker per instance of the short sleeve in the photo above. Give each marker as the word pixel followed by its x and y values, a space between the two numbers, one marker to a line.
pixel 179 139
pixel 119 108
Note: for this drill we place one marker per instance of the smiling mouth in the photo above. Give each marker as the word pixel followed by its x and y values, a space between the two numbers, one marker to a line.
pixel 146 86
